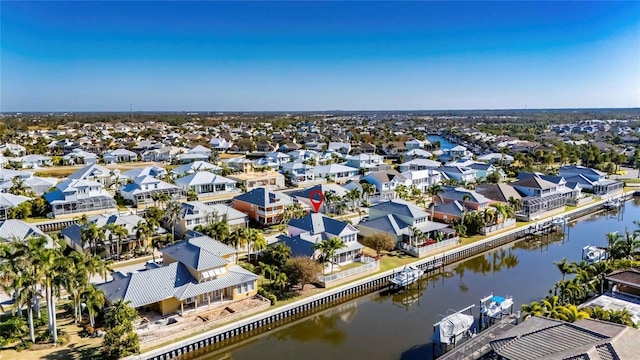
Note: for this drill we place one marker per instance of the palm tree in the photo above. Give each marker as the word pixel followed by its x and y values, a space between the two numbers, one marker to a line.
pixel 268 270
pixel 143 233
pixel 627 246
pixel 19 278
pixel 90 234
pixel 416 234
pixel 281 281
pixel 402 191
pixel 119 232
pixel 516 204
pixel 257 241
pixel 564 267
pixel 532 309
pixel 94 300
pixel 353 195
pixel 368 190
pixel 553 308
pixel 328 249
pixel 239 238
pixel 612 238
pixel 572 313
pixel 173 214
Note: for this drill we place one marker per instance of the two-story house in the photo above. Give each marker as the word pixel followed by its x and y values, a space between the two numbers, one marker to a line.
pixel 78 156
pixel 39 185
pixel 9 201
pixel 220 144
pixel 262 206
pixel 31 161
pixel 193 167
pixel 93 172
pixel 418 154
pixel 386 183
pixel 278 157
pixel 459 174
pixel 591 180
pixel 415 144
pixel 119 156
pixel 140 192
pixel 302 196
pixel 196 273
pixel 539 197
pixel 207 184
pixel 419 164
pixel 298 173
pixel 336 172
pixel 304 233
pixel 423 179
pixel 371 162
pixel 72 196
pixel 198 213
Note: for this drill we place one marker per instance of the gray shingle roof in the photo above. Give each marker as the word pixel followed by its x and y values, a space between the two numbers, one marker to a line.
pixel 318 223
pixel 199 253
pixel 399 208
pixel 264 198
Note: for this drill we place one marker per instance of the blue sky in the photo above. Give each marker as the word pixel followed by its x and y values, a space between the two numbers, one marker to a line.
pixel 252 56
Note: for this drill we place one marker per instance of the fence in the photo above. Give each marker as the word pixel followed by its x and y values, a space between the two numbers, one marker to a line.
pixel 370 264
pixel 505 224
pixel 422 250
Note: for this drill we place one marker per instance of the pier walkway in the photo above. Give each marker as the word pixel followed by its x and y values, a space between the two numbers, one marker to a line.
pixel 480 344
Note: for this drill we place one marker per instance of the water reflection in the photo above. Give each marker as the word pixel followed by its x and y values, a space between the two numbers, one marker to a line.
pixel 540 242
pixel 324 327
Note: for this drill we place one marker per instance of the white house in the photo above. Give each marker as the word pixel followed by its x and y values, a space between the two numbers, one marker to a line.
pixel 79 156
pixel 195 166
pixel 459 174
pixel 93 172
pixel 119 155
pixel 386 182
pixel 366 161
pixel 423 179
pixel 220 144
pixel 74 196
pixel 419 164
pixel 197 213
pixel 299 173
pixel 340 147
pixel 206 183
pixel 31 161
pixel 141 190
pixel 336 172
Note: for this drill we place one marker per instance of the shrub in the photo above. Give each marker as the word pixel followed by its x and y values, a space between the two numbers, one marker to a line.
pixel 23 345
pixel 89 330
pixel 264 293
pixel 63 338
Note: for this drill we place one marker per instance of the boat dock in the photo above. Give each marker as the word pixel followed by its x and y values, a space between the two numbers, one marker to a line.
pixel 480 344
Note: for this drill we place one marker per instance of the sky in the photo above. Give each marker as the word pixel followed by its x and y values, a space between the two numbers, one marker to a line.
pixel 310 56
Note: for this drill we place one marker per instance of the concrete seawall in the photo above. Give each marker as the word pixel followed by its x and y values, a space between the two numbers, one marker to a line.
pixel 248 327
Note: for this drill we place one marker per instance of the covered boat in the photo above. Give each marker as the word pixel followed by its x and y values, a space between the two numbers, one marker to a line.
pixel 407 276
pixel 495 306
pixel 612 204
pixel 452 328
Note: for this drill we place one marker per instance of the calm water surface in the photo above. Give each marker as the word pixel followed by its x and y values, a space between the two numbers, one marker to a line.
pixel 400 326
pixel 444 143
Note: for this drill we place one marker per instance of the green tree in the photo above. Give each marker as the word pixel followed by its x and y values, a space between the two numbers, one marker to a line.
pixel 94 301
pixel 328 248
pixel 120 339
pixel 379 242
pixel 302 271
pixel 173 214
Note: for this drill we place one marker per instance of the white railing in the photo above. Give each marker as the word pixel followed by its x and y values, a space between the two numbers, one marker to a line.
pixel 496 227
pixel 370 264
pixel 421 250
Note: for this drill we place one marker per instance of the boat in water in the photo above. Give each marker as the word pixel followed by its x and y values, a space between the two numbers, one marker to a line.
pixel 453 328
pixel 496 306
pixel 407 276
pixel 559 221
pixel 612 204
pixel 594 254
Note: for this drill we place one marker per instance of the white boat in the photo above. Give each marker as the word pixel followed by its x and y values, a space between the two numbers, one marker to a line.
pixel 559 221
pixel 452 328
pixel 594 254
pixel 612 204
pixel 407 276
pixel 496 306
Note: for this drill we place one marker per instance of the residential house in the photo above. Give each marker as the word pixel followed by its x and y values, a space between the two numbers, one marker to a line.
pixel 622 292
pixel 193 167
pixel 153 171
pixel 423 179
pixel 500 192
pixel 206 184
pixel 119 156
pixel 496 158
pixel 298 173
pixel 418 154
pixel 111 245
pixel 416 144
pixel 38 185
pixel 262 205
pixel 93 172
pixel 166 153
pixel 366 148
pixel 31 161
pixel 470 199
pixel 78 156
pixel 592 180
pixel 336 172
pixel 13 229
pixel 419 164
pixel 484 169
pixel 239 164
pixel 268 179
pixel 459 174
pixel 371 162
pixel 9 201
pixel 304 233
pixel 386 183
pixel 264 146
pixel 8 149
pixel 278 157
pixel 539 197
pixel 201 150
pixel 304 155
pixel 456 152
pixel 340 147
pixel 199 272
pixel 303 196
pixel 140 192
pixel 198 213
pixel 76 196
pixel 220 144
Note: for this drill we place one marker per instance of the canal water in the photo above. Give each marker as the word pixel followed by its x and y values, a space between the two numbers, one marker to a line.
pixel 444 143
pixel 400 326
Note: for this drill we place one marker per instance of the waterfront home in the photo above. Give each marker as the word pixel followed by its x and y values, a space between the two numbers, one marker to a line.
pixel 9 201
pixel 298 173
pixel 19 230
pixel 459 174
pixel 416 144
pixel 400 219
pixel 79 156
pixel 386 183
pixel 592 180
pixel 448 211
pixel 496 158
pixel 199 272
pixel 500 192
pixel 456 152
pixel 623 293
pixel 140 192
pixel 539 197
pixel 336 172
pixel 370 162
pixel 251 180
pixel 304 233
pixel 206 183
pixel 418 154
pixel 110 245
pixel 193 167
pixel 545 338
pixel 198 213
pixel 470 199
pixel 262 205
pixel 30 161
pixel 423 179
pixel 74 196
pixel 93 172
pixel 119 156
pixel 220 144
pixel 302 196
pixel 419 164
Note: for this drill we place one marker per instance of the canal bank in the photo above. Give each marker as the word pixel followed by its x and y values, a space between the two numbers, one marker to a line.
pixel 307 306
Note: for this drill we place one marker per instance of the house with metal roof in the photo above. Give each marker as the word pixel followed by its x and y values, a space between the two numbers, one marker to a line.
pixel 39 185
pixel 193 167
pixel 220 144
pixel 79 156
pixel 298 173
pixel 140 192
pixel 207 184
pixel 386 183
pixel 119 155
pixel 418 154
pixel 371 162
pixel 304 233
pixel 31 161
pixel 154 171
pixel 460 174
pixel 199 272
pixel 74 196
pixel 539 197
pixel 13 229
pixel 419 164
pixel 262 205
pixel 93 172
pixel 336 172
pixel 591 180
pixel 470 199
pixel 423 179
pixel 9 201
pixel 545 338
pixel 198 213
